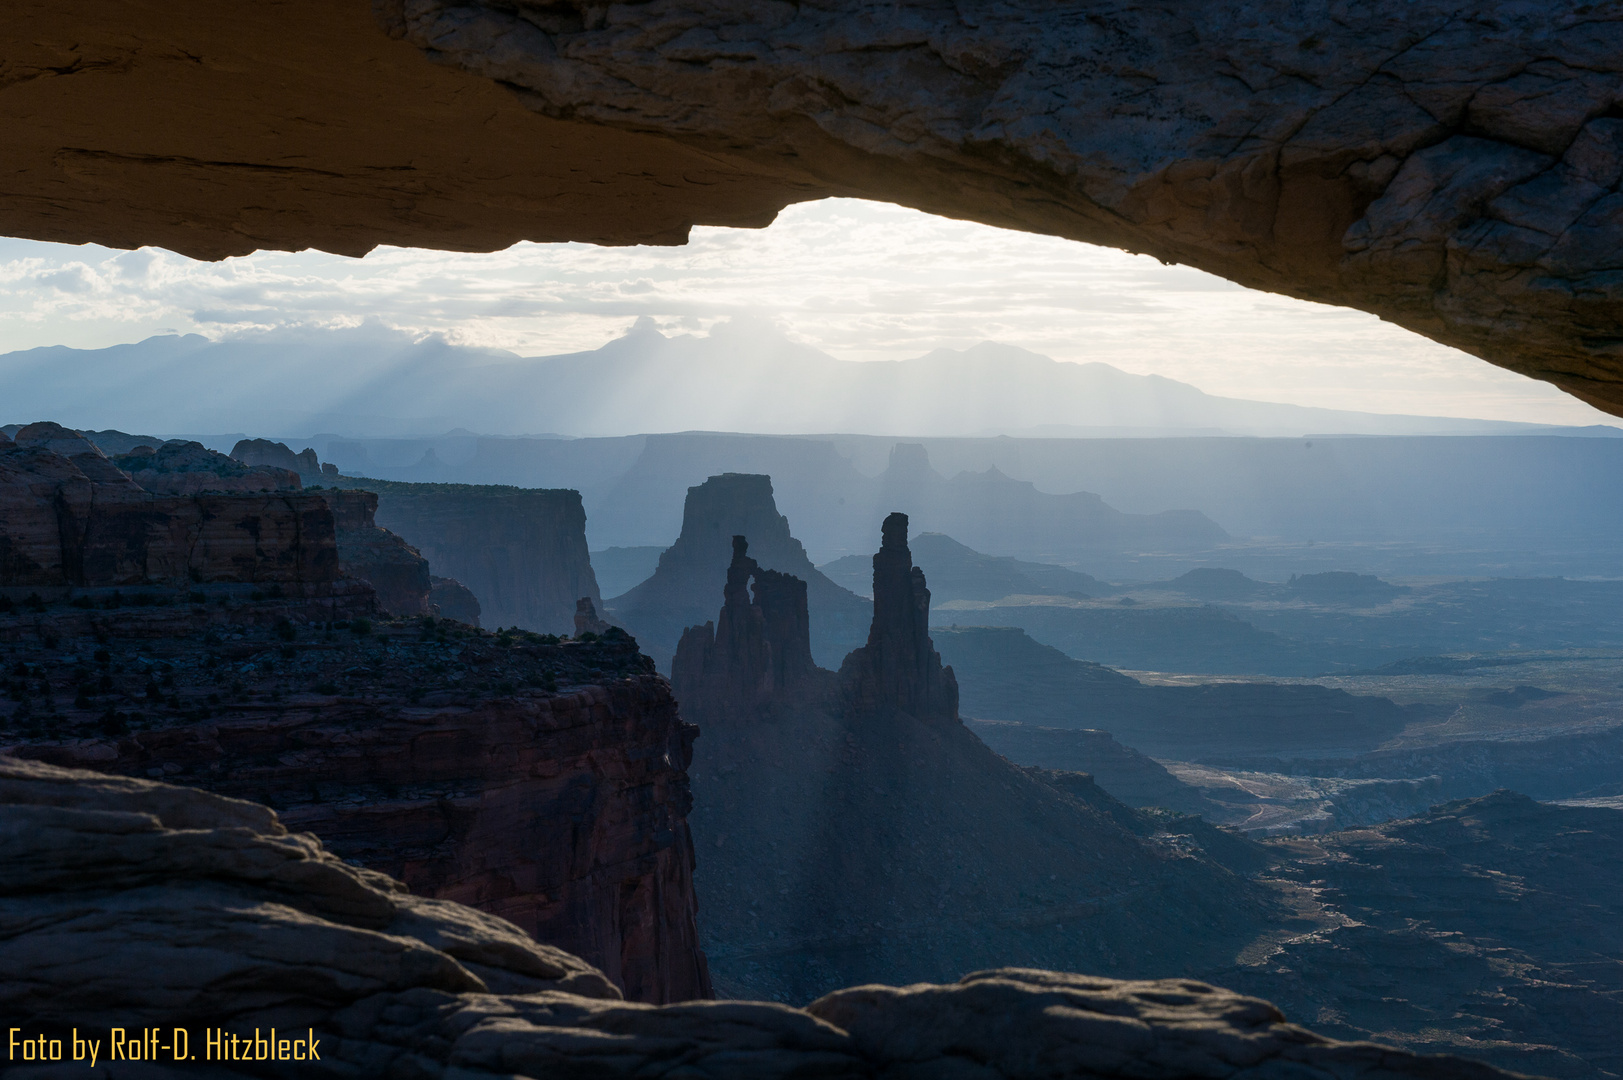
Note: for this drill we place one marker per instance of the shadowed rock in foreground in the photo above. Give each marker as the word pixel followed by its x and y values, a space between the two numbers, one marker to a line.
pixel 133 903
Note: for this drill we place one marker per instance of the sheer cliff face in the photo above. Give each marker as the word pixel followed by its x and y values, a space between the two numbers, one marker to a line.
pixel 899 669
pixel 69 517
pixel 447 762
pixel 521 551
pixel 393 567
pixel 692 572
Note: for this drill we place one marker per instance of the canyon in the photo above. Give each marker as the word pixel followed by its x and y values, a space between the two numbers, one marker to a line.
pixel 241 641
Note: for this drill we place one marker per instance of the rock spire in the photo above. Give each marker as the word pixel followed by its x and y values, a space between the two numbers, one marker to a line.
pixel 756 652
pixel 899 670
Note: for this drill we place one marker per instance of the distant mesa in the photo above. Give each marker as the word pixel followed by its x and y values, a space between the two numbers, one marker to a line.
pixel 1213 583
pixel 692 572
pixel 990 511
pixel 1341 587
pixel 279 455
pixel 1004 675
pixel 520 551
pixel 958 572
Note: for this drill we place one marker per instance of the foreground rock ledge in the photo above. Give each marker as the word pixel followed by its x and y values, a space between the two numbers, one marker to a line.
pixel 134 903
pixel 1451 167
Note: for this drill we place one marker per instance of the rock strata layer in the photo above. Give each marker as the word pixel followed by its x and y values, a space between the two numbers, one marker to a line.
pixel 70 518
pixel 542 782
pixel 116 885
pixel 521 551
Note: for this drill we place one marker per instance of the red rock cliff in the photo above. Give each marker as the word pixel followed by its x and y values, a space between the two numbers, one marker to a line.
pixel 543 783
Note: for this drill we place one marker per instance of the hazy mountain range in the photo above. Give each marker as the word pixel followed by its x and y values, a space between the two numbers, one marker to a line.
pixel 743 376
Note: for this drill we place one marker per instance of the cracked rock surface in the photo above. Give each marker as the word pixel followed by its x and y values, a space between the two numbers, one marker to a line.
pixel 138 903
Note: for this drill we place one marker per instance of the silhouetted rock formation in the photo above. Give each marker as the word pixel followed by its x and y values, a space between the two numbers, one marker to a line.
pixel 957 572
pixel 544 783
pixel 395 569
pixel 115 885
pixel 450 599
pixel 758 651
pixel 851 829
pixel 280 456
pixel 187 468
pixel 899 669
pixel 692 571
pixel 586 619
pixel 1005 675
pixel 521 551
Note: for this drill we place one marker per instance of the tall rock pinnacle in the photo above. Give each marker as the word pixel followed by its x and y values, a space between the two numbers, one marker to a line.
pixel 757 652
pixel 899 670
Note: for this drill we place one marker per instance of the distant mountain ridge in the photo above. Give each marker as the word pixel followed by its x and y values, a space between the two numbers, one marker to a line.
pixel 742 376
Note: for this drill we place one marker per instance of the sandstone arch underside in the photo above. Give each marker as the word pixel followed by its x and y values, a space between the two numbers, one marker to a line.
pixel 1452 167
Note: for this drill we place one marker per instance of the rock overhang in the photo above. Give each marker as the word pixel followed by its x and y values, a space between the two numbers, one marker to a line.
pixel 1452 168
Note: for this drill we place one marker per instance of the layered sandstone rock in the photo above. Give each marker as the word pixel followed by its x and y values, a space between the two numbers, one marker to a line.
pixel 545 783
pixel 691 572
pixel 521 551
pixel 117 886
pixel 899 669
pixel 393 567
pixel 73 519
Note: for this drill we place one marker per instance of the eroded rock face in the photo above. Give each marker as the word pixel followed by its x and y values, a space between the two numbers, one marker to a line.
pixel 757 653
pixel 278 456
pixel 69 517
pixel 1451 168
pixel 450 599
pixel 521 551
pixel 692 572
pixel 393 567
pixel 115 887
pixel 188 468
pixel 544 783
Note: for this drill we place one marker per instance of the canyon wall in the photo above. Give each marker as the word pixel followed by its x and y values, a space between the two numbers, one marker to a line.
pixel 520 551
pixel 392 566
pixel 542 783
pixel 73 519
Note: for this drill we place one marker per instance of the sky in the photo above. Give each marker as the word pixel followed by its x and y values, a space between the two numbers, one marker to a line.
pixel 861 281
